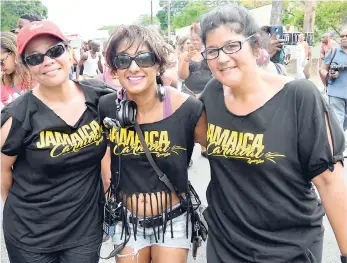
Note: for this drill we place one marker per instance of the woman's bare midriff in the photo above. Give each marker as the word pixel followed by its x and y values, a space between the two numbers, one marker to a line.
pixel 158 206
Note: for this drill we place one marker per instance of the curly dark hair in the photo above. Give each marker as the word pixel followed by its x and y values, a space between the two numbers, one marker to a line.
pixel 237 18
pixel 138 35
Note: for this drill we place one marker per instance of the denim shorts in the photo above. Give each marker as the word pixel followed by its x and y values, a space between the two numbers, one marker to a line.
pixel 179 239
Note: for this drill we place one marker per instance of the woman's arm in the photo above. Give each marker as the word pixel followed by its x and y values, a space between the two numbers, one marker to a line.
pixel 183 66
pixel 333 193
pixel 200 132
pixel 6 162
pixel 106 169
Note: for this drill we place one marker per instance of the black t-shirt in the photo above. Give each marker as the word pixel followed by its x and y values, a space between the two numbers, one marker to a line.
pixel 170 142
pixel 262 207
pixel 199 75
pixel 56 196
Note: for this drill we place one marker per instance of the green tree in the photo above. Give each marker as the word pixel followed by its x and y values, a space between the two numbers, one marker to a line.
pixel 190 13
pixel 250 4
pixel 162 18
pixel 12 10
pixel 330 15
pixel 146 20
pixel 294 14
pixel 176 7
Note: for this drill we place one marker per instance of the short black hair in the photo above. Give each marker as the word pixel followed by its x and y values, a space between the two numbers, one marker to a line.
pixel 234 16
pixel 30 17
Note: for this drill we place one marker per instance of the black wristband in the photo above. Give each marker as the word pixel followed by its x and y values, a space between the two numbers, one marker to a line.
pixel 343 259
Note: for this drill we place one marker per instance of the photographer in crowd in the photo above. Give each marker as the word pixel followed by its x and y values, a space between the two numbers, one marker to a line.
pixel 335 70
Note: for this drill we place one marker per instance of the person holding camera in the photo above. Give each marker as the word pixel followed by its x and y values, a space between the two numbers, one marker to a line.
pixel 152 224
pixel 51 151
pixel 269 139
pixel 335 74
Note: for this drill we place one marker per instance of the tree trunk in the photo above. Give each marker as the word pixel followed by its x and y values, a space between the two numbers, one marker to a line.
pixel 309 20
pixel 276 13
pixel 310 14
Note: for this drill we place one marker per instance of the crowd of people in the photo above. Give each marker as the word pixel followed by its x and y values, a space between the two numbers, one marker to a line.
pixel 106 155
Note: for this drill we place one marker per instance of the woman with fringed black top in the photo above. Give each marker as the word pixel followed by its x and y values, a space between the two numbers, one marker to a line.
pixel 157 225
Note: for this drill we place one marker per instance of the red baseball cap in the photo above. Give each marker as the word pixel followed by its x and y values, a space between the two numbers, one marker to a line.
pixel 34 29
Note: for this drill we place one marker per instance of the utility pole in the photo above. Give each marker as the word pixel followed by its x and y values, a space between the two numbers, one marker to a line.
pixel 276 13
pixel 151 12
pixel 168 20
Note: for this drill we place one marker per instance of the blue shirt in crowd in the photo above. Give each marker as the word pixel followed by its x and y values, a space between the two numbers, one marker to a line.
pixel 338 87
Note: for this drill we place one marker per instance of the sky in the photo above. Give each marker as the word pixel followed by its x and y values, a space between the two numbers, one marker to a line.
pixel 85 17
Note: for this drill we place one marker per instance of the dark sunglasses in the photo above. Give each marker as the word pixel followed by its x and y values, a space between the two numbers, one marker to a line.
pixel 2 61
pixel 54 52
pixel 143 60
pixel 342 36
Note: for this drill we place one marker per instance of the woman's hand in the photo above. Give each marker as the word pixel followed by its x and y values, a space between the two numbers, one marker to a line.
pixel 189 54
pixel 274 44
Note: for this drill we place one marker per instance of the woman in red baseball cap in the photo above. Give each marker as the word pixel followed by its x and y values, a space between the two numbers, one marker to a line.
pixel 51 148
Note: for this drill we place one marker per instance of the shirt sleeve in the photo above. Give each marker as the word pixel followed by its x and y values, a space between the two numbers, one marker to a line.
pixel 313 145
pixel 195 114
pixel 327 58
pixel 16 136
pixel 212 84
pixel 103 111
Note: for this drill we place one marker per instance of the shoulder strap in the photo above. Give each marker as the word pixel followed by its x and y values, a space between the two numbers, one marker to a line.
pixel 162 176
pixel 333 54
pixel 279 69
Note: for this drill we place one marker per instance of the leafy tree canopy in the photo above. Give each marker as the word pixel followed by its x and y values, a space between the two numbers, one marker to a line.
pixel 12 10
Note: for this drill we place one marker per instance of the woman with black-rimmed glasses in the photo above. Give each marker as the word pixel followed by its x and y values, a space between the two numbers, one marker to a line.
pixel 268 139
pixel 51 151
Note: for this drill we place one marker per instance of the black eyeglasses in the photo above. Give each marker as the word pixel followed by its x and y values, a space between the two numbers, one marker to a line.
pixel 143 60
pixel 54 52
pixel 2 61
pixel 229 48
pixel 343 36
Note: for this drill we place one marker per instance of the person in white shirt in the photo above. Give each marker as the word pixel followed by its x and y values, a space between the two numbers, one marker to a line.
pixel 91 61
pixel 302 52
